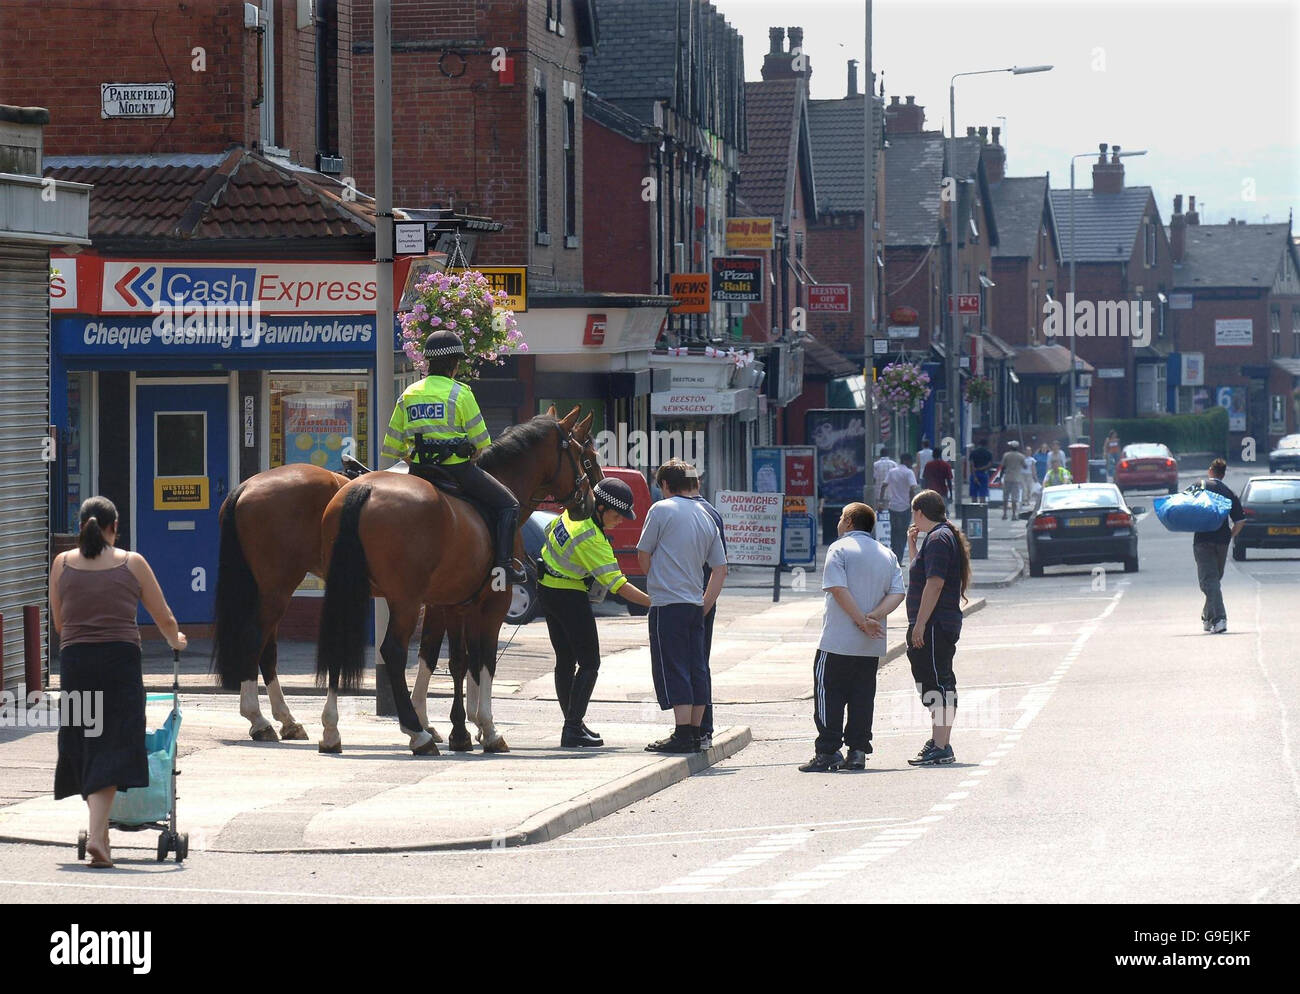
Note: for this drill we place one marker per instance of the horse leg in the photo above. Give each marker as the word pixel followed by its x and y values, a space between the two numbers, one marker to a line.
pixel 289 728
pixel 459 739
pixel 260 730
pixel 401 623
pixel 430 643
pixel 492 739
pixel 329 719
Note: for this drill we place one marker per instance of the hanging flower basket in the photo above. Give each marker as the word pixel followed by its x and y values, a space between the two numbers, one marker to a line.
pixel 902 388
pixel 978 389
pixel 464 303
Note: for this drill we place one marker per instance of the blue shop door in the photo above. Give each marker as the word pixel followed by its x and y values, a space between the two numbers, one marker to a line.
pixel 182 475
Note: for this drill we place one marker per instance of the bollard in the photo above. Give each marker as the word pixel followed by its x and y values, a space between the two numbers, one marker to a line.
pixel 32 648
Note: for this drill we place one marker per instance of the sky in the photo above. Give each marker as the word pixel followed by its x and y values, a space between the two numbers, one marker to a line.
pixel 1210 90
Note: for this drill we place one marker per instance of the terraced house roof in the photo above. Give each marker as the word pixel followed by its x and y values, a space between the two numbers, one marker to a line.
pixel 1018 205
pixel 838 150
pixel 1106 224
pixel 1232 255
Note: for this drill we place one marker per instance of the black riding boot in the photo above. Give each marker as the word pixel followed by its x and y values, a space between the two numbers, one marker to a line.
pixel 575 732
pixel 507 525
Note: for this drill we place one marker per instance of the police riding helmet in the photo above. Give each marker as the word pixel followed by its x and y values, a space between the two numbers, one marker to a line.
pixel 617 495
pixel 443 343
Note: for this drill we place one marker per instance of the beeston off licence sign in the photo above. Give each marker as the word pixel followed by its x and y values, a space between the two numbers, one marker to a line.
pixel 137 100
pixel 738 279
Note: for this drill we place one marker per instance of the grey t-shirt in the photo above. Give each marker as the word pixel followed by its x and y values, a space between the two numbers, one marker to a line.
pixel 682 539
pixel 869 571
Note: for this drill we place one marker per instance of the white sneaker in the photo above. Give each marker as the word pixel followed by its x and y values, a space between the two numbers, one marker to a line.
pixel 1220 626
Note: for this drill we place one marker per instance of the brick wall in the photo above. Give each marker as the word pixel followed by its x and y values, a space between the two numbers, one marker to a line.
pixel 295 93
pixel 57 55
pixel 835 252
pixel 618 224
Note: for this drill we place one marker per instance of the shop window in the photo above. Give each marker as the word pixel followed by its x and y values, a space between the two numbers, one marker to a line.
pixel 316 418
pixel 78 447
pixel 180 443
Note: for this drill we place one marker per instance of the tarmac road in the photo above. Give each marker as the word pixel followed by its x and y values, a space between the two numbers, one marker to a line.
pixel 1108 750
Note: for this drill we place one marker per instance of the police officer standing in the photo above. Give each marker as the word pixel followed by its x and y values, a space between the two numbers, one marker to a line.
pixel 437 423
pixel 572 552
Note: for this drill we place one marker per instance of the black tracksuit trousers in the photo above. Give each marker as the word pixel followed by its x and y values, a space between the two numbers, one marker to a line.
pixel 840 682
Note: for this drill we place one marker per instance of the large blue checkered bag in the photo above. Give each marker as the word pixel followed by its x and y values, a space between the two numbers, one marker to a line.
pixel 1193 510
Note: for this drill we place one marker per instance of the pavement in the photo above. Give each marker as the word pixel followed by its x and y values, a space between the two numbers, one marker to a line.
pixel 236 795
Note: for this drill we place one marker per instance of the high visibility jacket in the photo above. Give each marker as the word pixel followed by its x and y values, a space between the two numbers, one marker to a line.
pixel 1056 476
pixel 575 550
pixel 441 410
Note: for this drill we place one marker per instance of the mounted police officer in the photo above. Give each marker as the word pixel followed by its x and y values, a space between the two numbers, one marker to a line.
pixel 437 425
pixel 574 554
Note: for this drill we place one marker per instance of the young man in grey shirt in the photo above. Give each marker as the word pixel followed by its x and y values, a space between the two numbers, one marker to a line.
pixel 863 583
pixel 679 539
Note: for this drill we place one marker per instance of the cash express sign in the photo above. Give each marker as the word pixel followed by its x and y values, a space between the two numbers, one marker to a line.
pixel 321 288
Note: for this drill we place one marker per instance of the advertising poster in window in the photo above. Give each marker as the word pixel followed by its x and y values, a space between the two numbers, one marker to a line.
pixel 840 439
pixel 312 419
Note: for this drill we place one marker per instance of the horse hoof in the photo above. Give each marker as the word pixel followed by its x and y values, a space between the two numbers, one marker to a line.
pixel 434 732
pixel 460 742
pixel 266 734
pixel 430 748
pixel 293 732
pixel 330 750
pixel 498 746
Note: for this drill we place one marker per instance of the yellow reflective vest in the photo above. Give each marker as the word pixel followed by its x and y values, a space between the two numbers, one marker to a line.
pixel 440 409
pixel 576 550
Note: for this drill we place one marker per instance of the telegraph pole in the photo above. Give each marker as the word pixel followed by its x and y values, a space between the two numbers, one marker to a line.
pixel 868 304
pixel 383 405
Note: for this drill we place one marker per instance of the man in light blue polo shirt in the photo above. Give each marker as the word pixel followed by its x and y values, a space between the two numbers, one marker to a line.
pixel 863 583
pixel 679 539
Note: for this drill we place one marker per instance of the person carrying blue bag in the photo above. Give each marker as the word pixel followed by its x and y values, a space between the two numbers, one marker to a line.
pixel 1206 509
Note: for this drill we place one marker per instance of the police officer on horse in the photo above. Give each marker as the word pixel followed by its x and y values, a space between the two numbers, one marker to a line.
pixel 576 555
pixel 437 428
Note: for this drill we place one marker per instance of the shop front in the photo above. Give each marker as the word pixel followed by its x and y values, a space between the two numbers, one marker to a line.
pixel 165 412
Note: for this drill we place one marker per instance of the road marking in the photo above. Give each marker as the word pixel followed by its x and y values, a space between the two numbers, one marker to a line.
pixel 706 877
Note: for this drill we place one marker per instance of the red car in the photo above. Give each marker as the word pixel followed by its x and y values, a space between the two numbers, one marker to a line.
pixel 1147 466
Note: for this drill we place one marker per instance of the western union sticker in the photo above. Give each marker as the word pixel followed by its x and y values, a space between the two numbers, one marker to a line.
pixel 180 493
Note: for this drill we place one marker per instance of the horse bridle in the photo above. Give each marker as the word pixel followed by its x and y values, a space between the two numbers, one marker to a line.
pixel 563 442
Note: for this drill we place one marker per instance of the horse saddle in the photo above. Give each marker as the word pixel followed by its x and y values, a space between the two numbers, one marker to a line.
pixel 352 468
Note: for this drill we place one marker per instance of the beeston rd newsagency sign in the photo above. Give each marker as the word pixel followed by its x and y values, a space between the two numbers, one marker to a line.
pixel 137 100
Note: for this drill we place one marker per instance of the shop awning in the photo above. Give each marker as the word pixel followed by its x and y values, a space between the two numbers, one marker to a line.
pixel 823 362
pixel 1046 360
pixel 1291 366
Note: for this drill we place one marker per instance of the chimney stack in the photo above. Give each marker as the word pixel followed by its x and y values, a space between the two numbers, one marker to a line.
pixel 853 78
pixel 1178 231
pixel 1193 217
pixel 778 64
pixel 984 136
pixel 994 157
pixel 970 132
pixel 905 119
pixel 1108 177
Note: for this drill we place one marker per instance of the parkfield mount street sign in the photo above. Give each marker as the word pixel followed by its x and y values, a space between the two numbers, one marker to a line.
pixel 137 100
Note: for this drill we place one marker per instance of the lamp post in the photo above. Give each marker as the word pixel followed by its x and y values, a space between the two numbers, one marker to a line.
pixel 954 339
pixel 1074 372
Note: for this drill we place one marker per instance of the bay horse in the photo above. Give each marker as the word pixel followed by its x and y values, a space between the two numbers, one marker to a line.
pixel 398 537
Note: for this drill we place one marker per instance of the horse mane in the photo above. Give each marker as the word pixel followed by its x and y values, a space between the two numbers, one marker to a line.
pixel 515 441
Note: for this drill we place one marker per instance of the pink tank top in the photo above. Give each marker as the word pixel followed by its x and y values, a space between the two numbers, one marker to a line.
pixel 99 605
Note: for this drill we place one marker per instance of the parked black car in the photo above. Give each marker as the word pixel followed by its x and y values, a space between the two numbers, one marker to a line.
pixel 524 602
pixel 1082 523
pixel 1272 506
pixel 1286 457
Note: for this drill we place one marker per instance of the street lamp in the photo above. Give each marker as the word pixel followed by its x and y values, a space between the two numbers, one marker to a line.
pixel 954 339
pixel 1074 373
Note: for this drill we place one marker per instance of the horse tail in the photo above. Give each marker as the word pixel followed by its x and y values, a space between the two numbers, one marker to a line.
pixel 341 645
pixel 236 633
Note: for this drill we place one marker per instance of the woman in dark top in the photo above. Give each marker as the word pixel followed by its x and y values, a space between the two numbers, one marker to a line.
pixel 94 590
pixel 936 586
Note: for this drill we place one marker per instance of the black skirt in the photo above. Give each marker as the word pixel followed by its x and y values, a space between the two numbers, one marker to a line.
pixel 116 757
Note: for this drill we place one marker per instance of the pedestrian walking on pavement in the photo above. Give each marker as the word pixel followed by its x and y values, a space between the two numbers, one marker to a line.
pixel 1013 474
pixel 936 587
pixel 937 476
pixel 900 485
pixel 881 467
pixel 1210 550
pixel 981 464
pixel 1057 476
pixel 923 455
pixel 1112 454
pixel 94 593
pixel 863 584
pixel 677 542
pixel 1055 456
pixel 706 724
pixel 577 556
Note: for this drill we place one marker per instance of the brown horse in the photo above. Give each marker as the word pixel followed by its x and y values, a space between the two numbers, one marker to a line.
pixel 398 537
